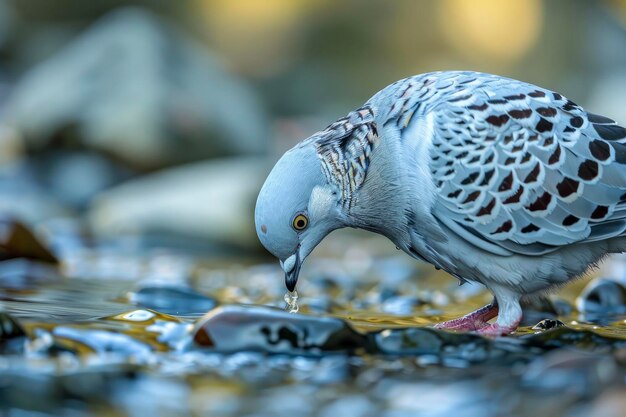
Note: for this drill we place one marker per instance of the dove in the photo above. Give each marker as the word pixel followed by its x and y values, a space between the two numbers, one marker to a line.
pixel 493 180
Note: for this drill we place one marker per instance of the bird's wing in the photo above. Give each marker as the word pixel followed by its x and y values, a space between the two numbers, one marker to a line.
pixel 520 169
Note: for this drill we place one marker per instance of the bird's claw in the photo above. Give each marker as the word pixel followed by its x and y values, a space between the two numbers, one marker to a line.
pixel 495 330
pixel 475 320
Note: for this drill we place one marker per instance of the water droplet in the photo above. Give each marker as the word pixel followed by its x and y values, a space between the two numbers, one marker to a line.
pixel 291 298
pixel 138 315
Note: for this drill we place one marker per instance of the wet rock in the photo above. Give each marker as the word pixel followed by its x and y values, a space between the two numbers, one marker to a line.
pixel 103 341
pixel 17 241
pixel 171 102
pixel 209 200
pixel 548 324
pixel 564 336
pixel 566 371
pixel 237 328
pixel 177 300
pixel 436 343
pixel 602 296
pixel 12 334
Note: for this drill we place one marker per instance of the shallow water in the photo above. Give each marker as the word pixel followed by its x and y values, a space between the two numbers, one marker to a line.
pixel 125 334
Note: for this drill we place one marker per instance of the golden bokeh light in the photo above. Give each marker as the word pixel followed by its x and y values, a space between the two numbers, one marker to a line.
pixel 257 36
pixel 498 30
pixel 620 8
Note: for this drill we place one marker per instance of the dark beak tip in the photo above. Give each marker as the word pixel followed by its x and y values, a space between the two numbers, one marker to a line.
pixel 291 277
pixel 290 282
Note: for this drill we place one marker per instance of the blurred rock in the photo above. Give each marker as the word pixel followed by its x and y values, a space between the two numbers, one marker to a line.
pixel 23 274
pixel 400 305
pixel 236 328
pixel 7 20
pixel 353 405
pixel 536 309
pixel 564 336
pixel 139 89
pixel 17 241
pixel 62 393
pixel 12 334
pixel 463 398
pixel 11 144
pixel 548 324
pixel 570 372
pixel 23 197
pixel 610 403
pixel 170 299
pixel 75 178
pixel 602 296
pixel 210 200
pixel 440 344
pixel 102 341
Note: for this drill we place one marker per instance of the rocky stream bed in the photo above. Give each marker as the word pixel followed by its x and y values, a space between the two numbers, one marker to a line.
pixel 124 330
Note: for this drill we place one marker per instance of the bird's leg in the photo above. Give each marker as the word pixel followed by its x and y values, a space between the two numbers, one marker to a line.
pixel 509 315
pixel 472 321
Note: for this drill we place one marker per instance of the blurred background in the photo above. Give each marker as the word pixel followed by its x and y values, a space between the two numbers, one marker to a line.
pixel 158 118
pixel 134 137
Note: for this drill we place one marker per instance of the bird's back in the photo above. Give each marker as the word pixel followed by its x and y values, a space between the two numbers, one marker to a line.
pixel 517 169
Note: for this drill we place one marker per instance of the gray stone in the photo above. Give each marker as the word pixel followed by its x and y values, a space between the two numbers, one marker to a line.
pixel 251 328
pixel 137 88
pixel 172 299
pixel 209 200
pixel 602 296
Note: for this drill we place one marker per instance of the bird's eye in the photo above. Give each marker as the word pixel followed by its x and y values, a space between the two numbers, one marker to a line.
pixel 300 222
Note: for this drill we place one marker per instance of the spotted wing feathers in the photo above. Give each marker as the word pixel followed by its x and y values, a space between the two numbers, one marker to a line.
pixel 520 169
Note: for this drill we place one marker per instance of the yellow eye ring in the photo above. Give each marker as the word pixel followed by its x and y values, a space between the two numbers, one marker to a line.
pixel 300 222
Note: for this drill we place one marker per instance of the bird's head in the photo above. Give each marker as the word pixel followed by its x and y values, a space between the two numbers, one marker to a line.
pixel 296 209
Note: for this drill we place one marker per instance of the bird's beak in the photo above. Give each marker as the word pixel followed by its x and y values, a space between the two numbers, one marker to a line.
pixel 291 266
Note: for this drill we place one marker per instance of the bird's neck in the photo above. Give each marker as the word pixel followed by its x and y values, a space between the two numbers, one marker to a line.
pixel 380 204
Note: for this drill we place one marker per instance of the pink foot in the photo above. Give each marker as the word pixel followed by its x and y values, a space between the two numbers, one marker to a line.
pixel 495 330
pixel 475 320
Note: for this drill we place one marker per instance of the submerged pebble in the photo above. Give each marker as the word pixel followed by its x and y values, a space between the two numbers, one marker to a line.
pixel 172 299
pixel 434 344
